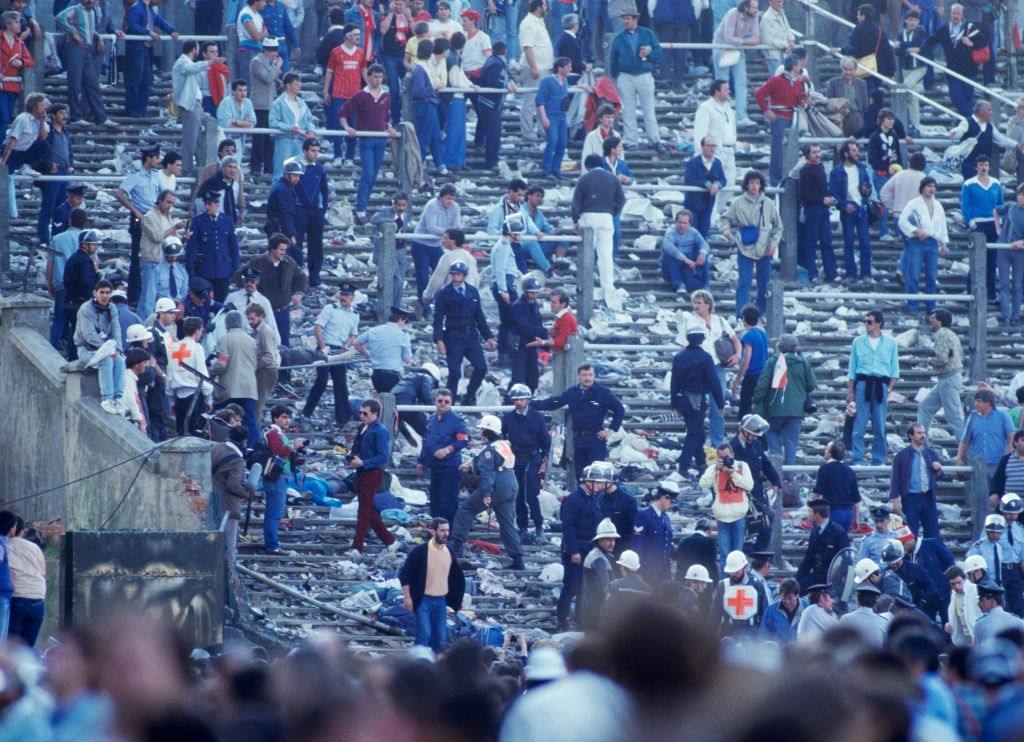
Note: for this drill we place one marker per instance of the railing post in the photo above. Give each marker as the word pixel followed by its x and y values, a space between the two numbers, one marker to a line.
pixel 384 240
pixel 231 52
pixel 400 164
pixel 573 356
pixel 978 483
pixel 1010 18
pixel 586 259
pixel 389 417
pixel 209 137
pixel 978 261
pixel 6 187
pixel 790 208
pixel 901 106
pixel 776 319
pixel 776 542
pixel 32 78
pixel 812 56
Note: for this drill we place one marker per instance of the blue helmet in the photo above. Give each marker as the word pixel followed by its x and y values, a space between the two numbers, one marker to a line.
pixel 459 267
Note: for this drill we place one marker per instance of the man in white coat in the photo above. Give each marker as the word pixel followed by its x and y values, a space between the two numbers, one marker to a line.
pixel 716 118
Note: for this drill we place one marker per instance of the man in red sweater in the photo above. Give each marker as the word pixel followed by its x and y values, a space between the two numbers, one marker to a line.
pixel 369 107
pixel 778 99
pixel 565 323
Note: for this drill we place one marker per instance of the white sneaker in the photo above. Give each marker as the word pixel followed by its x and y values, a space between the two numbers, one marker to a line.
pixel 122 406
pixel 109 405
pixel 26 170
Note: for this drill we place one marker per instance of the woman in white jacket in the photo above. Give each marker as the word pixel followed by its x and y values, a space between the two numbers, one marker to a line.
pixel 923 223
pixel 964 610
pixel 730 482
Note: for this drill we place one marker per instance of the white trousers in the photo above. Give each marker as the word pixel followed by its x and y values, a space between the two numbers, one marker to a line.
pixel 604 233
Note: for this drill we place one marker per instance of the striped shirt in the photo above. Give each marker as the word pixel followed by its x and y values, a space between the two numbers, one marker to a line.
pixel 1014 475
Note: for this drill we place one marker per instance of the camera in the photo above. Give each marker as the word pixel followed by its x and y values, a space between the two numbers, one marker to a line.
pixel 728 461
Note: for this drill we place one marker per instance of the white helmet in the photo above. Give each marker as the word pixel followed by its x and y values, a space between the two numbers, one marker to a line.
pixel 606 529
pixel 864 569
pixel 630 560
pixel 735 561
pixel 433 371
pixel 136 333
pixel 995 522
pixel 166 304
pixel 698 572
pixel 975 562
pixel 520 391
pixel 754 425
pixel 491 423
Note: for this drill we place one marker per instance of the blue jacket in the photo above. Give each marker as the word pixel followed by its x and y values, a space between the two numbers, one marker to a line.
pixel 821 548
pixel 6 584
pixel 212 249
pixel 587 407
pixel 282 118
pixel 621 508
pixel 277 24
pixel 282 209
pixel 352 15
pixel 553 95
pixel 674 11
pixel 461 314
pixel 580 515
pixel 493 75
pixel 776 626
pixel 623 59
pixel 206 311
pixel 693 372
pixel 374 447
pixel 449 430
pixel 934 558
pixel 695 174
pixel 621 168
pixel 837 185
pixel 927 596
pixel 414 389
pixel 761 469
pixel 79 278
pixel 899 482
pixel 525 319
pixel 135 23
pixel 527 433
pixel 652 541
pixel 421 89
pixel 61 218
pixel 311 192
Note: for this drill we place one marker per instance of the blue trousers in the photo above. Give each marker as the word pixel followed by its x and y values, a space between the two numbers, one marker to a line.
pixel 730 538
pixel 693 444
pixel 533 250
pixel 424 260
pixel 488 128
pixel 504 317
pixel 877 411
pixel 26 619
pixel 333 123
pixel 371 157
pixel 879 181
pixel 920 511
pixel 455 133
pixel 921 255
pixel 778 131
pixel 432 623
pixel 53 193
pixel 702 212
pixel 747 268
pixel 818 237
pixel 428 131
pixel 679 274
pixel 716 421
pixel 444 492
pixel 961 94
pixel 462 347
pixel 572 578
pixel 394 70
pixel 842 515
pixel 8 105
pixel 557 139
pixel 276 496
pixel 138 74
pixel 783 436
pixel 248 419
pixel 59 320
pixel 527 498
pixel 855 226
pixel 586 450
pixel 526 368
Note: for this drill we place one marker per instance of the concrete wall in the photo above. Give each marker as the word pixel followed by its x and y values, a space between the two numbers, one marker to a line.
pixel 55 432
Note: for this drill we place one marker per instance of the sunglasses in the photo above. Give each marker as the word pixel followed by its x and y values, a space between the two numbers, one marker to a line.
pixel 869 322
pixel 444 401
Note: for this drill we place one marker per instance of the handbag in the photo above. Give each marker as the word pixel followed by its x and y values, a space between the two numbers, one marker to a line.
pixel 724 349
pixel 869 61
pixel 750 233
pixel 981 55
pixel 729 58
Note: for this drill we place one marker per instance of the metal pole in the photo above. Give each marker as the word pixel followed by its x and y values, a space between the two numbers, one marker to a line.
pixel 400 164
pixel 776 319
pixel 790 208
pixel 6 188
pixel 776 542
pixel 979 494
pixel 384 236
pixel 389 417
pixel 585 266
pixel 978 339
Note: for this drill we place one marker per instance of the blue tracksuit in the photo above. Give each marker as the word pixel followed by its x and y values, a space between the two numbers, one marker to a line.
pixel 652 541
pixel 527 433
pixel 449 430
pixel 459 321
pixel 527 326
pixel 587 409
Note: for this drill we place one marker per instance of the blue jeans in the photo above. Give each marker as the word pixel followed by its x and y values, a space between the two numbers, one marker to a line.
pixel 424 260
pixel 877 411
pixel 111 373
pixel 428 131
pixel 8 105
pixel 1010 262
pixel 716 421
pixel 737 77
pixel 285 147
pixel 59 320
pixel 52 194
pixel 921 254
pixel 5 615
pixel 276 493
pixel 535 252
pixel 855 225
pixel 920 511
pixel 692 453
pixel 26 619
pixel 842 516
pixel 432 623
pixel 730 538
pixel 783 435
pixel 818 236
pixel 746 269
pixel 677 273
pixel 557 137
pixel 598 23
pixel 371 157
pixel 334 124
pixel 572 578
pixel 455 133
pixel 506 28
pixel 778 132
pixel 138 83
pixel 945 394
pixel 394 70
pixel 147 299
pixel 961 94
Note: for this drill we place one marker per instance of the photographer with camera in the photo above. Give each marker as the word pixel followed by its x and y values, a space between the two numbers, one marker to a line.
pixel 730 482
pixel 276 475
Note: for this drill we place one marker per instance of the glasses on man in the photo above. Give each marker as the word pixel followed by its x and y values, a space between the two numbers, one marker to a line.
pixel 869 321
pixel 443 401
pixel 364 413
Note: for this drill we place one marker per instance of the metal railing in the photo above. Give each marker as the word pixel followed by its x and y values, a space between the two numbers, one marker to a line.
pixel 485 236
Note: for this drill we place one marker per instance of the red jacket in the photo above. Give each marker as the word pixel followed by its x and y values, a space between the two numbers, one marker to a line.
pixel 781 95
pixel 219 75
pixel 564 327
pixel 8 52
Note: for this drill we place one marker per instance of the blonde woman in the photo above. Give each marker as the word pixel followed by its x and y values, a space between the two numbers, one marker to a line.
pixel 718 328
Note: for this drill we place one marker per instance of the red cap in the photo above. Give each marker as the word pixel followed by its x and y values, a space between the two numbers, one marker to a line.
pixel 471 14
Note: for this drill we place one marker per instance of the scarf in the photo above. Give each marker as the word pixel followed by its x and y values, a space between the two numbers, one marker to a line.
pixel 370 26
pixel 218 74
pixel 401 29
pixel 509 208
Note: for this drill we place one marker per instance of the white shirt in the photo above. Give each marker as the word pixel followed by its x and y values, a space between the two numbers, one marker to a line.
pixel 852 183
pixel 915 216
pixel 593 144
pixel 248 14
pixel 167 182
pixel 718 327
pixel 717 120
pixel 476 51
pixel 534 34
pixel 443 30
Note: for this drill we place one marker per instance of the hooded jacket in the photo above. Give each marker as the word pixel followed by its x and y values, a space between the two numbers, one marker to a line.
pixel 787 400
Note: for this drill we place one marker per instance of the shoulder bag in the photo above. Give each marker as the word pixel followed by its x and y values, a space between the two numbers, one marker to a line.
pixel 869 62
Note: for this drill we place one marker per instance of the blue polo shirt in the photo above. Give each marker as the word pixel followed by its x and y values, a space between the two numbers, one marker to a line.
pixel 986 435
pixel 757 339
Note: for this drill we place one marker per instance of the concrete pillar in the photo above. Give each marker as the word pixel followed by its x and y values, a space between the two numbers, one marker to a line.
pixel 231 50
pixel 399 163
pixel 978 492
pixel 978 338
pixel 901 105
pixel 573 356
pixel 168 50
pixel 812 56
pixel 209 138
pixel 790 150
pixel 25 310
pixel 790 213
pixel 33 76
pixel 586 265
pixel 776 317
pixel 6 186
pixel 384 239
pixel 389 416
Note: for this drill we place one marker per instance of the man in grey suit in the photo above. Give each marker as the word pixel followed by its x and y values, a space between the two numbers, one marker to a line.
pixel 235 366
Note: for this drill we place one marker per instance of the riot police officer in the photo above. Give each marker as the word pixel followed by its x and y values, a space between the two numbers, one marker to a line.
pixel 527 431
pixel 528 334
pixel 925 594
pixel 580 515
pixel 747 446
pixel 991 547
pixel 212 249
pixel 693 379
pixel 459 324
pixel 888 582
pixel 616 502
pixel 1011 506
pixel 283 207
pixel 652 536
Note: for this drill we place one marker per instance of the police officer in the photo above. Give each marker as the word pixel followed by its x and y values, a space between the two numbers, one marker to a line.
pixel 992 549
pixel 212 249
pixel 925 594
pixel 527 431
pixel 335 329
pixel 283 207
pixel 872 545
pixel 863 619
pixel 588 403
pixel 747 446
pixel 459 324
pixel 694 377
pixel 311 193
pixel 199 302
pixel 1011 506
pixel 503 288
pixel 171 275
pixel 737 570
pixel 528 334
pixel 652 536
pixel 826 540
pixel 81 272
pixel 994 618
pixel 446 436
pixel 580 515
pixel 867 570
pixel 389 349
pixel 156 395
pixel 976 568
pixel 495 465
pixel 416 388
pixel 616 502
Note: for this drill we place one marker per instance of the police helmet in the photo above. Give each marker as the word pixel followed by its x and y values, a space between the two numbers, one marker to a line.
pixel 292 166
pixel 514 224
pixel 532 284
pixel 459 267
pixel 754 425
pixel 1011 502
pixel 520 391
pixel 893 552
pixel 172 247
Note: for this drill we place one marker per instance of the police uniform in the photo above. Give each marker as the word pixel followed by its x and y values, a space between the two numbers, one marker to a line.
pixel 212 251
pixel 824 544
pixel 872 545
pixel 311 216
pixel 996 555
pixel 619 505
pixel 587 409
pixel 447 430
pixel 652 541
pixel 995 621
pixel 338 325
pixel 924 593
pixel 495 466
pixel 723 623
pixel 1013 578
pixel 527 432
pixel 283 214
pixel 415 389
pixel 580 515
pixel 459 321
pixel 527 326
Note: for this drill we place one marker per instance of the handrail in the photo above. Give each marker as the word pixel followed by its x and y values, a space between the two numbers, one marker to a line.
pixel 319 132
pixel 874 296
pixel 406 236
pixel 940 67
